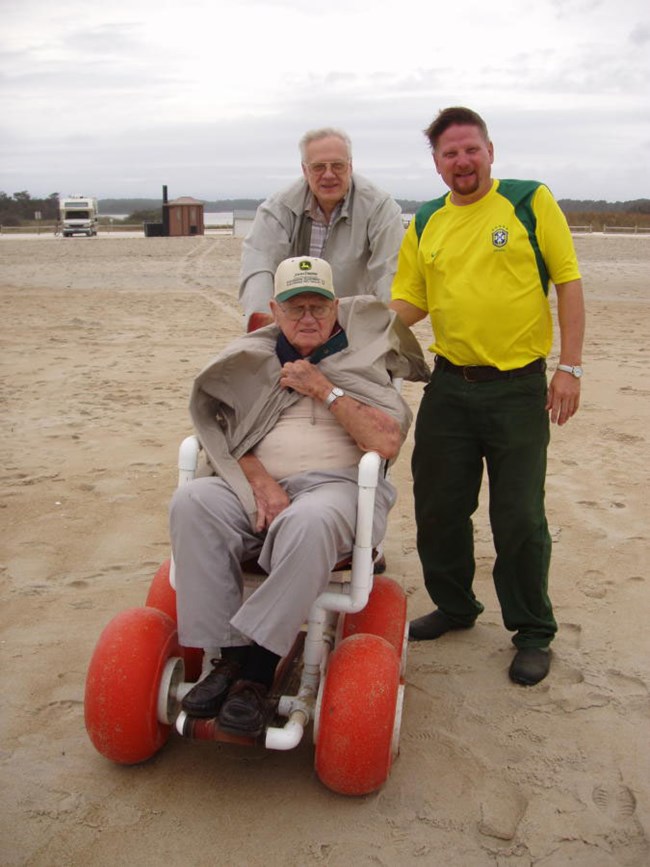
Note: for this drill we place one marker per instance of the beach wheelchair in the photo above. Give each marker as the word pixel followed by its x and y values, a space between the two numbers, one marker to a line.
pixel 344 674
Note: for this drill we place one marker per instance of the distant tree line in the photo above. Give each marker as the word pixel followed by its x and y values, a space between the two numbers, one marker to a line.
pixel 143 215
pixel 129 206
pixel 20 209
pixel 637 206
pixel 579 212
pixel 409 206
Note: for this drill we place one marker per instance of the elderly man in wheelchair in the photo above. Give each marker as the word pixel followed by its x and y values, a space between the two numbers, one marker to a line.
pixel 283 415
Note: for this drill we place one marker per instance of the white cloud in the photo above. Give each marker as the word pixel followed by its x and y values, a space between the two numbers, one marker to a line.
pixel 212 97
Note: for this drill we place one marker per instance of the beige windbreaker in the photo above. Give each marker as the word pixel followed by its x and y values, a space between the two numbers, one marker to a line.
pixel 362 246
pixel 237 398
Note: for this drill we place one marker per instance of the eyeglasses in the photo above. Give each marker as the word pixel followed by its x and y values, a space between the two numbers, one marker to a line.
pixel 297 311
pixel 338 167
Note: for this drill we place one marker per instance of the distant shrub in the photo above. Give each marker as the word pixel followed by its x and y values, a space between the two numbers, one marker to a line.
pixel 598 219
pixel 150 216
pixel 9 219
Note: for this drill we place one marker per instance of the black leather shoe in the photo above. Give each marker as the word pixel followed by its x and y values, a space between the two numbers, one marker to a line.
pixel 244 711
pixel 530 665
pixel 432 626
pixel 206 697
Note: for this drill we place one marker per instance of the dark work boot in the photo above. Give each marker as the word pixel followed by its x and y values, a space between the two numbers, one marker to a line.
pixel 530 665
pixel 206 697
pixel 244 712
pixel 433 626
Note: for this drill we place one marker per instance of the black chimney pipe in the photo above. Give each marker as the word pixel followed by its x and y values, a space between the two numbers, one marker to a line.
pixel 165 214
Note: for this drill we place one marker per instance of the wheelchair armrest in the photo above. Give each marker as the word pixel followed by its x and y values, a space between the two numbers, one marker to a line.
pixel 369 467
pixel 188 459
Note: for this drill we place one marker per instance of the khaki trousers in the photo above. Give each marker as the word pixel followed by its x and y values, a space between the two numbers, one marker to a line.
pixel 211 536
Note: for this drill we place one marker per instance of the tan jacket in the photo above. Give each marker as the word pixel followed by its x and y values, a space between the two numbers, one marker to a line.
pixel 362 246
pixel 237 398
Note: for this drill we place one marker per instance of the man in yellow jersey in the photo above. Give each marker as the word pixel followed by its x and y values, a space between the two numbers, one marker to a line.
pixel 479 262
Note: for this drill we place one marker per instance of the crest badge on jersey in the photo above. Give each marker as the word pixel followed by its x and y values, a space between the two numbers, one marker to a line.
pixel 500 236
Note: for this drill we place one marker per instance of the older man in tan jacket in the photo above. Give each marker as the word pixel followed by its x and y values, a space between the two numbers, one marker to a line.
pixel 331 212
pixel 284 414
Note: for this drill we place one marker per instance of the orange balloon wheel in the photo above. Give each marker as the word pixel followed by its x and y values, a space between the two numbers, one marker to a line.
pixel 161 594
pixel 120 705
pixel 256 320
pixel 357 715
pixel 384 615
pixel 163 597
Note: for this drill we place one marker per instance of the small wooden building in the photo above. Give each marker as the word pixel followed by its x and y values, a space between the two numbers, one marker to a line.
pixel 183 216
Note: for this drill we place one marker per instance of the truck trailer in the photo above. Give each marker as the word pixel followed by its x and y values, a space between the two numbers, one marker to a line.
pixel 78 215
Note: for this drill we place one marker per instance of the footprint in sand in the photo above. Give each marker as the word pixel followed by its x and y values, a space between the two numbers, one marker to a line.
pixel 630 691
pixel 571 634
pixel 616 801
pixel 594 584
pixel 502 808
pixel 628 389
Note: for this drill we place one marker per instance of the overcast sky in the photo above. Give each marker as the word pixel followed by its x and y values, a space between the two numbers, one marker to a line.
pixel 210 97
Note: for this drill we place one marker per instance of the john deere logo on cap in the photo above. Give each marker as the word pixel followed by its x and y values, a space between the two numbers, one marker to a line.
pixel 305 265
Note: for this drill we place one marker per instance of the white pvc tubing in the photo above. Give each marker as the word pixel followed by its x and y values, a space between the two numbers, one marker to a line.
pixel 290 735
pixel 188 459
pixel 180 722
pixel 361 579
pixel 397 724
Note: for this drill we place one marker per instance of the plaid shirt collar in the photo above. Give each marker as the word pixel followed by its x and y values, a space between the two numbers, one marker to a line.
pixel 314 210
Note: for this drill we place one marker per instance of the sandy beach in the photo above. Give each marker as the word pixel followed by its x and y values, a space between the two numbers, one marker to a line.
pixel 101 339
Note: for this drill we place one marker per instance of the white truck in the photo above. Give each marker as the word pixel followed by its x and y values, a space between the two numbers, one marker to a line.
pixel 78 215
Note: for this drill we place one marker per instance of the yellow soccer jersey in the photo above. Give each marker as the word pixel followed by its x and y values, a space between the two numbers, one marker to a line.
pixel 482 272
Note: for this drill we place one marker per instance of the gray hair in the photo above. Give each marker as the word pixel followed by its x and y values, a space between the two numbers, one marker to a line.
pixel 324 132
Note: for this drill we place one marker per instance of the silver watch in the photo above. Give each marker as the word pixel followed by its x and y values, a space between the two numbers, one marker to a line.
pixel 334 394
pixel 574 370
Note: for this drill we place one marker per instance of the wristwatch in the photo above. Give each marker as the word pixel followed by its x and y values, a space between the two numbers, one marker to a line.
pixel 574 370
pixel 334 394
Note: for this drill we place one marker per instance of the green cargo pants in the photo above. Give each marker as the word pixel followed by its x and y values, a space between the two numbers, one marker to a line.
pixel 461 425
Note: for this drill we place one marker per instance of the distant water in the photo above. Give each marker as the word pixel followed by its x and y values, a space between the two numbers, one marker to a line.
pixel 218 218
pixel 225 218
pixel 210 218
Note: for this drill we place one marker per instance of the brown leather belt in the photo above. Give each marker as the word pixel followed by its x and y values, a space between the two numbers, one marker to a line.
pixel 480 373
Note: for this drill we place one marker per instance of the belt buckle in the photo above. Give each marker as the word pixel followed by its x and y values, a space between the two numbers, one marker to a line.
pixel 465 376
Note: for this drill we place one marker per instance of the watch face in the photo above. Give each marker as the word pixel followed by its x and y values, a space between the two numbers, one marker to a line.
pixel 334 394
pixel 577 372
